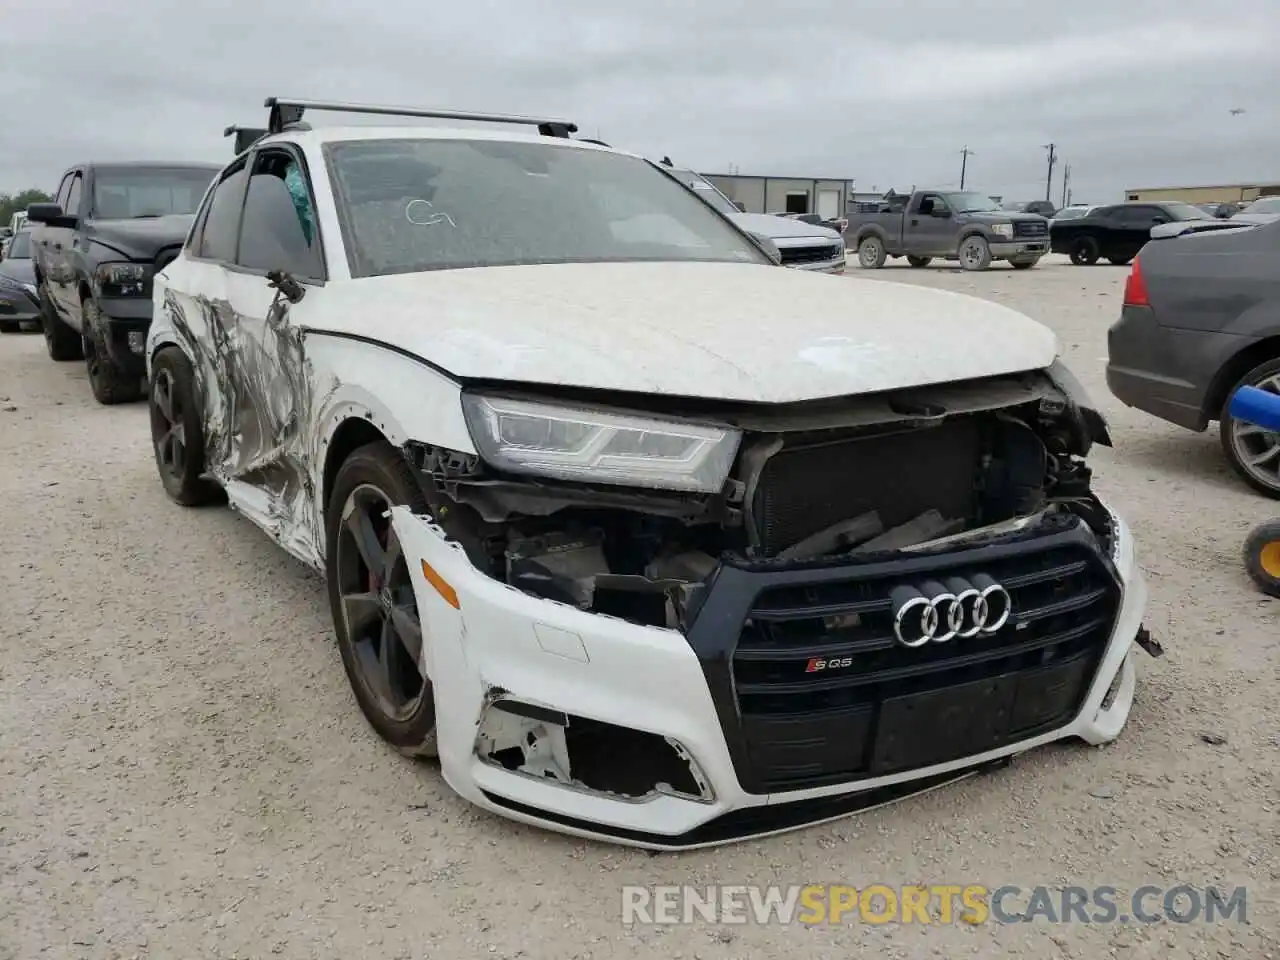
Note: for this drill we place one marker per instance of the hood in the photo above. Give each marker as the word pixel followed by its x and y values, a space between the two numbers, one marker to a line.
pixel 22 271
pixel 141 238
pixel 780 228
pixel 1246 217
pixel 749 333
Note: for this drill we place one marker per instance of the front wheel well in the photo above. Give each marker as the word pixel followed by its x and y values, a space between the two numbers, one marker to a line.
pixel 1234 369
pixel 352 434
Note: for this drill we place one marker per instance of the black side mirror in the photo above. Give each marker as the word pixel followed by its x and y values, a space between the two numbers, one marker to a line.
pixel 50 214
pixel 742 207
pixel 1159 220
pixel 942 213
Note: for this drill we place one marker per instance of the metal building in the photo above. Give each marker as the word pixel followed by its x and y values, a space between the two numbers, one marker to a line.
pixel 824 196
pixel 1227 193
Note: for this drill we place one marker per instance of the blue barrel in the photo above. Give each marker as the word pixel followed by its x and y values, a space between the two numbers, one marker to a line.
pixel 1256 406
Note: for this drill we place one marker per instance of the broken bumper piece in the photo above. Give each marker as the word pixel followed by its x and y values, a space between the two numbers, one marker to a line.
pixel 658 738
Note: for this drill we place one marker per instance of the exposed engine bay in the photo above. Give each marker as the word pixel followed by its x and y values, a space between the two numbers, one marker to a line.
pixel 862 475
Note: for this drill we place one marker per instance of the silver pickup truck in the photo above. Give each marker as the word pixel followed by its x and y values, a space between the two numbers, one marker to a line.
pixel 950 225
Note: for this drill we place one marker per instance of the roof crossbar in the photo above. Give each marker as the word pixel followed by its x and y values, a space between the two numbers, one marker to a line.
pixel 286 111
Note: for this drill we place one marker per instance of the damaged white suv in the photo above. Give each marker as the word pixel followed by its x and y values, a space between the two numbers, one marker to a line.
pixel 647 537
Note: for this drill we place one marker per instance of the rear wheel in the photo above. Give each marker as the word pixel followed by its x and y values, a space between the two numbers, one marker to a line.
pixel 62 342
pixel 109 382
pixel 919 261
pixel 1120 261
pixel 1084 252
pixel 871 253
pixel 10 326
pixel 1253 452
pixel 177 432
pixel 975 253
pixel 375 615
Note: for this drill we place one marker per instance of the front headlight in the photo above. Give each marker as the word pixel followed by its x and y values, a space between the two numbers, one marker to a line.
pixel 1002 229
pixel 121 279
pixel 593 446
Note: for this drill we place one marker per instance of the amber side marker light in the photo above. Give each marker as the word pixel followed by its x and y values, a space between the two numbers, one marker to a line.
pixel 442 586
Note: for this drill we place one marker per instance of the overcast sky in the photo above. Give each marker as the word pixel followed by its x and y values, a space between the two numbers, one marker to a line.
pixel 885 92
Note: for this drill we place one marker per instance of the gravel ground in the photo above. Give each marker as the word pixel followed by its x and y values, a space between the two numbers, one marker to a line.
pixel 183 772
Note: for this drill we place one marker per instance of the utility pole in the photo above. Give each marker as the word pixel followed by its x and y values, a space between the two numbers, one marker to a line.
pixel 965 154
pixel 1053 158
pixel 1066 183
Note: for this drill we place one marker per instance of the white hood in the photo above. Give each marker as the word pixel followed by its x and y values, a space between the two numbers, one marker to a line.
pixel 742 332
pixel 777 228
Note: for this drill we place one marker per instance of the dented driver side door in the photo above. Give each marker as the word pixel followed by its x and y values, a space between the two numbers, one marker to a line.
pixel 272 284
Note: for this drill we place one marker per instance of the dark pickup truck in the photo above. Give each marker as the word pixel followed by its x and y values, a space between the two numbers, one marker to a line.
pixel 951 225
pixel 95 249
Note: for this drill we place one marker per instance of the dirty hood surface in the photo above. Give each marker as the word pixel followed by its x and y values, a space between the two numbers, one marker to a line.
pixel 780 228
pixel 741 332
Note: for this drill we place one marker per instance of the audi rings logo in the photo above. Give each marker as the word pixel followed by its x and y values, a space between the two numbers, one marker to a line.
pixel 936 611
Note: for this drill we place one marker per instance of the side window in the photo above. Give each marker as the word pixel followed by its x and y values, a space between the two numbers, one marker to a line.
pixel 72 208
pixel 279 229
pixel 63 190
pixel 1137 216
pixel 218 237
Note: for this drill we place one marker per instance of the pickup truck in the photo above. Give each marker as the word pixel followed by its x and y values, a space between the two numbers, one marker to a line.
pixel 95 249
pixel 950 225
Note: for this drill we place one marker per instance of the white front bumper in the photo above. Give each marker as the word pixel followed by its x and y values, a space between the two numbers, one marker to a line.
pixel 643 678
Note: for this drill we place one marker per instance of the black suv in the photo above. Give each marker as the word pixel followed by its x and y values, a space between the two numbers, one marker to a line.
pixel 111 228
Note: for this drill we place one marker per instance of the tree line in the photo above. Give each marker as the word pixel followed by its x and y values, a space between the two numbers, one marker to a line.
pixel 11 203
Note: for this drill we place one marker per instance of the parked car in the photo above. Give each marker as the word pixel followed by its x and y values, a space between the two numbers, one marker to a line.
pixel 18 302
pixel 96 248
pixel 1200 320
pixel 1117 232
pixel 1043 208
pixel 969 227
pixel 800 244
pixel 838 224
pixel 1262 210
pixel 624 523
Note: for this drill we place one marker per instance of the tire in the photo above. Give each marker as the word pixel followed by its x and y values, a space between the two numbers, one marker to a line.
pixel 1262 557
pixel 1023 264
pixel 110 384
pixel 1120 261
pixel 919 262
pixel 10 326
pixel 371 598
pixel 177 430
pixel 62 342
pixel 1084 252
pixel 1253 453
pixel 871 253
pixel 974 253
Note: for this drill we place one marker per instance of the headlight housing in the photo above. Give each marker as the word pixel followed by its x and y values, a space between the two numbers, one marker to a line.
pixel 595 446
pixel 1002 230
pixel 121 279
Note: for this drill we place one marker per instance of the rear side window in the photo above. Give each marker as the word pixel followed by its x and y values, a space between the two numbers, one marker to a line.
pixel 279 230
pixel 222 223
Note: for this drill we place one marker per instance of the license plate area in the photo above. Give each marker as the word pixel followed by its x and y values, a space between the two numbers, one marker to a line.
pixel 928 728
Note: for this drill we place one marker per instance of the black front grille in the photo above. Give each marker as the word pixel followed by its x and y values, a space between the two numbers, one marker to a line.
pixel 888 708
pixel 1030 228
pixel 807 488
pixel 814 254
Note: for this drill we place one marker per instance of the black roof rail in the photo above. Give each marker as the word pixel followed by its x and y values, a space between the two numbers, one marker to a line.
pixel 285 112
pixel 598 143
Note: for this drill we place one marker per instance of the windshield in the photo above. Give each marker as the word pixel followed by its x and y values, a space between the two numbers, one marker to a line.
pixel 706 191
pixel 127 193
pixel 1185 211
pixel 970 202
pixel 1265 205
pixel 19 247
pixel 414 205
pixel 1071 213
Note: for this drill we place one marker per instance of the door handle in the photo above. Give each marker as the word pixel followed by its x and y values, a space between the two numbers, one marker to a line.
pixel 57 246
pixel 915 222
